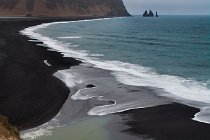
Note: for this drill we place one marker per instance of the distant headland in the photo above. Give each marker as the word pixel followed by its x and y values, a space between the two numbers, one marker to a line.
pixel 62 8
pixel 150 14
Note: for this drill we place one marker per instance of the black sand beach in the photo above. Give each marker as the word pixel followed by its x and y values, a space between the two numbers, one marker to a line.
pixel 30 95
pixel 166 122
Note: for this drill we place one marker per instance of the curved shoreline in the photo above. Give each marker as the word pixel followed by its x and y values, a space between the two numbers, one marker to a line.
pixel 60 47
pixel 30 94
pixel 18 55
pixel 175 111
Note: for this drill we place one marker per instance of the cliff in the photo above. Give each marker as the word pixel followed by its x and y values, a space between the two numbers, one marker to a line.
pixel 7 131
pixel 62 8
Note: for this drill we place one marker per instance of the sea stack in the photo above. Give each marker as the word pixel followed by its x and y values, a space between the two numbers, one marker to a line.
pixel 145 14
pixel 150 14
pixel 156 14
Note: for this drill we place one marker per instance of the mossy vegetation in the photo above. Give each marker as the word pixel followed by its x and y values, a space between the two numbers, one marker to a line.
pixel 7 131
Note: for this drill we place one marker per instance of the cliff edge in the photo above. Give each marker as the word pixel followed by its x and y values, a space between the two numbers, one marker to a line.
pixel 63 8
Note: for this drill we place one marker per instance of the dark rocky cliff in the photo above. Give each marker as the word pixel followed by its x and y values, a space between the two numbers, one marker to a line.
pixel 62 8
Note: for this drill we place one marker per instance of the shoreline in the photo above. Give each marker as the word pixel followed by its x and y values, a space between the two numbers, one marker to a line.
pixel 165 122
pixel 23 63
pixel 174 110
pixel 30 94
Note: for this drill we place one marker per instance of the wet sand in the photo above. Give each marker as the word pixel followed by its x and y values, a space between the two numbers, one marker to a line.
pixel 29 94
pixel 166 122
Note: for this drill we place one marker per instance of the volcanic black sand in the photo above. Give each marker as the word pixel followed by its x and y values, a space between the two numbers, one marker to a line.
pixel 166 122
pixel 29 94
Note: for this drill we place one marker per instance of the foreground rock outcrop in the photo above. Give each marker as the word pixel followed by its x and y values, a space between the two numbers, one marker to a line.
pixel 7 131
pixel 62 8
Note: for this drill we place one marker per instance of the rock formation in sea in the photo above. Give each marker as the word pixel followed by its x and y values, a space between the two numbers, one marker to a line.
pixel 145 14
pixel 7 131
pixel 156 14
pixel 62 8
pixel 150 14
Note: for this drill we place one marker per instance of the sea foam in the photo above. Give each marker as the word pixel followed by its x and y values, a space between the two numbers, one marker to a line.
pixel 185 90
pixel 70 37
pixel 48 64
pixel 45 129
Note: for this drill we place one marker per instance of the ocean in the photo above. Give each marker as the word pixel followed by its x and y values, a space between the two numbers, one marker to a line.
pixel 169 56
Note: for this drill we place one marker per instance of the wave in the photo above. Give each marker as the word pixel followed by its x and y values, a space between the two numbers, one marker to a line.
pixel 45 129
pixel 187 91
pixel 46 63
pixel 97 55
pixel 70 37
pixel 203 115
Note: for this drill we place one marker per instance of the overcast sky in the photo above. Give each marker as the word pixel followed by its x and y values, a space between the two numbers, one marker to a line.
pixel 169 7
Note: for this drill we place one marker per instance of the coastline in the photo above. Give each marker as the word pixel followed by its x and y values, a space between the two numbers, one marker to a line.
pixel 30 58
pixel 166 122
pixel 30 94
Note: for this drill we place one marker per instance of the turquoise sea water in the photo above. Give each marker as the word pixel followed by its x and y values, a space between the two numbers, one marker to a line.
pixel 172 45
pixel 170 53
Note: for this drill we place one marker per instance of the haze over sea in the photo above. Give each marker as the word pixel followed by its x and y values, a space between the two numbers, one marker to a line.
pixel 171 53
